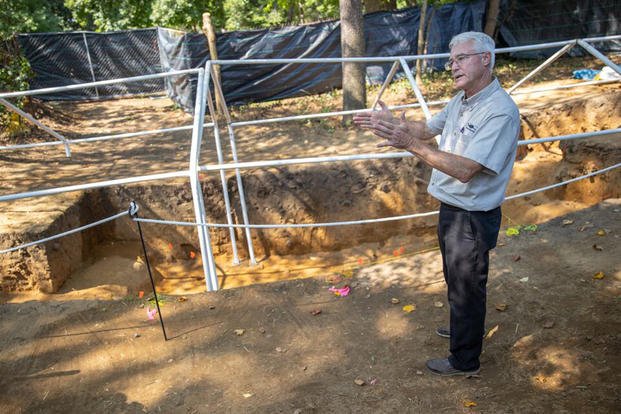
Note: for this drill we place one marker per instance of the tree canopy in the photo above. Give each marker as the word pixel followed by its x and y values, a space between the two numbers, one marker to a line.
pixel 23 16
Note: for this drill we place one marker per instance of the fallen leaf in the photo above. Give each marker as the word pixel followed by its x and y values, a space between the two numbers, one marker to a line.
pixel 599 275
pixel 469 404
pixel 151 313
pixel 501 307
pixel 344 291
pixel 409 308
pixel 239 332
pixel 598 248
pixel 585 226
pixel 601 232
pixel 512 231
pixel 395 301
pixel 182 299
pixel 359 382
pixel 438 304
pixel 567 222
pixel 540 378
pixel 516 258
pixel 491 332
pixel 315 312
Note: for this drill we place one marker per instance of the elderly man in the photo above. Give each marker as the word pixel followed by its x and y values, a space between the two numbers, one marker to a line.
pixel 471 168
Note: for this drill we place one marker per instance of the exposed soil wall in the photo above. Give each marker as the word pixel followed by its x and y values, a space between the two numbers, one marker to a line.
pixel 46 266
pixel 296 194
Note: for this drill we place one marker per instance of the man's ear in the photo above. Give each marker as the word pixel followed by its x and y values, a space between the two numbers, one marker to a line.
pixel 487 58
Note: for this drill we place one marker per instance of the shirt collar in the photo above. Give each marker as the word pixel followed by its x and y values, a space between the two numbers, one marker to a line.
pixel 482 94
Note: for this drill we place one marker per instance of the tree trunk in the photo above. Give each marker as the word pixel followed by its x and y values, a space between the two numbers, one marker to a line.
pixel 420 47
pixel 210 33
pixel 352 45
pixel 491 19
pixel 371 6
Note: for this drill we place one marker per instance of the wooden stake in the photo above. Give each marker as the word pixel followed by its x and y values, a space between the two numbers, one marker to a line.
pixel 210 33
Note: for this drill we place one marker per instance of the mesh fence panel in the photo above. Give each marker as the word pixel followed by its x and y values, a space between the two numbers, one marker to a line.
pixel 60 59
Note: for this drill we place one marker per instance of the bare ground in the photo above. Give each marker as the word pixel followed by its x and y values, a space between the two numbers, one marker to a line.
pixel 91 347
pixel 294 346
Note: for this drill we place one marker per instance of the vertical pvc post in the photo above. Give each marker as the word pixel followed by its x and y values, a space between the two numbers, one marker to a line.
pixel 30 118
pixel 589 48
pixel 209 267
pixel 417 92
pixel 391 74
pixel 225 191
pixel 240 184
pixel 541 67
pixel 90 62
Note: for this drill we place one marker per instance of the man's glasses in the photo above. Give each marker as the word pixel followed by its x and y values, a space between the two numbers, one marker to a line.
pixel 459 59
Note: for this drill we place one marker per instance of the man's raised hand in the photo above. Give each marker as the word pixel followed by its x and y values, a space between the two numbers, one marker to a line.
pixel 369 120
pixel 396 134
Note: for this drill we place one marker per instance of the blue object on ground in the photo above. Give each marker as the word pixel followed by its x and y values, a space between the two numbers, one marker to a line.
pixel 586 74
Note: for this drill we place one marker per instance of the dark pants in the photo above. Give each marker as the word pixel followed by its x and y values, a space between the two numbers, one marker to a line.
pixel 466 237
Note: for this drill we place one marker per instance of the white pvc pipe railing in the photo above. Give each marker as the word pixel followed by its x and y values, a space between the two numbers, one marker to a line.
pixel 225 192
pixel 203 91
pixel 43 91
pixel 376 220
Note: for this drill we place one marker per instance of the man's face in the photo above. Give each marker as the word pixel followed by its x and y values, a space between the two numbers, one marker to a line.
pixel 468 67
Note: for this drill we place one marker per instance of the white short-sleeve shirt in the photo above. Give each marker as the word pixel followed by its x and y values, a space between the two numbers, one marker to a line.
pixel 485 129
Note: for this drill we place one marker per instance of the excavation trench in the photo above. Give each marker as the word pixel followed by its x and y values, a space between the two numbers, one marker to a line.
pixel 108 256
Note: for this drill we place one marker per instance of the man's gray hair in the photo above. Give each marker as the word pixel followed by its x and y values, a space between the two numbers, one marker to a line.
pixel 482 43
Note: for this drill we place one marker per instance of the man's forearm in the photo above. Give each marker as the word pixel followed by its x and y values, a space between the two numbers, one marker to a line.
pixel 454 165
pixel 420 130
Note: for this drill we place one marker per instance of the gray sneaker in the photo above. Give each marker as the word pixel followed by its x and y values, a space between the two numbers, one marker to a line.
pixel 443 332
pixel 444 368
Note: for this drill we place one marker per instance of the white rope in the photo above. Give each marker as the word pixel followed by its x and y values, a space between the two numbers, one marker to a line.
pixel 367 221
pixel 59 235
pixel 134 208
pixel 292 225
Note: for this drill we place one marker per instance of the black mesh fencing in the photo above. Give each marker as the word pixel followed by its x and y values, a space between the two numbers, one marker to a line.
pixel 527 22
pixel 60 59
pixel 386 34
pixel 69 58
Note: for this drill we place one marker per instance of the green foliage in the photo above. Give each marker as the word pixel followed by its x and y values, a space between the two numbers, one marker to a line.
pixel 21 16
pixel 255 14
pixel 14 74
pixel 106 15
pixel 186 14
